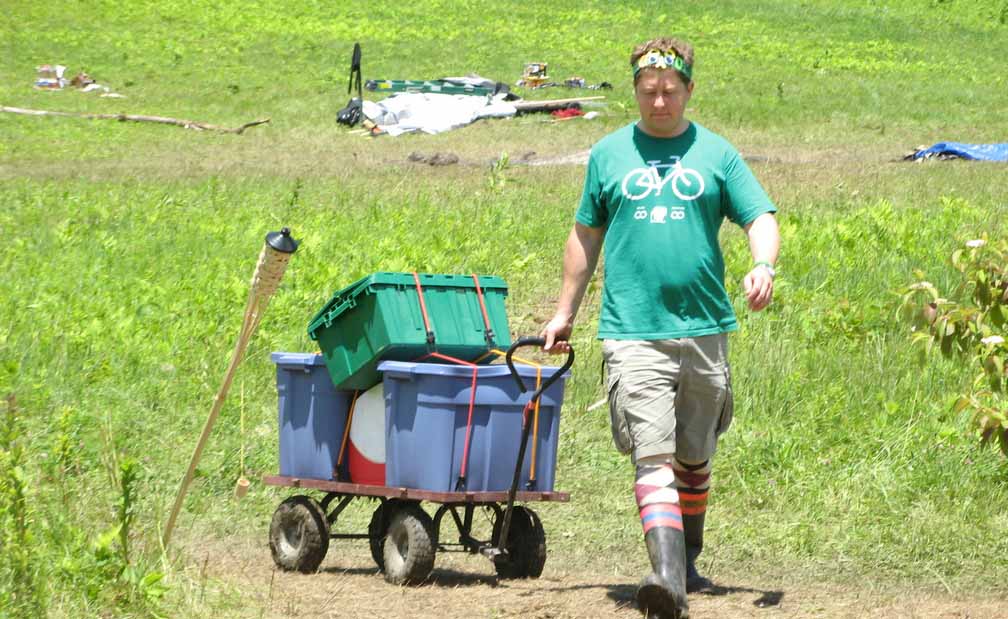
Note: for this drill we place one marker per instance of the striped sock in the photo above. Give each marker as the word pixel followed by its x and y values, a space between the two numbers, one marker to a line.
pixel 693 485
pixel 657 498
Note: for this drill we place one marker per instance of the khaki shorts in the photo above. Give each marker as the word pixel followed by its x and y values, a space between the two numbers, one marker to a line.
pixel 669 396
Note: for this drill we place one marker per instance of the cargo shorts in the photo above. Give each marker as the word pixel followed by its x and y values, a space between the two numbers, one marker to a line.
pixel 669 396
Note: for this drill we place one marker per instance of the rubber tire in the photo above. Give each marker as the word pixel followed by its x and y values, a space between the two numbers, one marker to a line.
pixel 526 545
pixel 377 529
pixel 299 535
pixel 409 545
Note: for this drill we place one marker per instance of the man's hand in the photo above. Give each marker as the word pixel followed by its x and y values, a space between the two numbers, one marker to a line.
pixel 764 243
pixel 758 285
pixel 556 333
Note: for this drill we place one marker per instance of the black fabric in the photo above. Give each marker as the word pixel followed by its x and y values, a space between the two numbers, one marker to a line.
pixel 692 467
pixel 353 112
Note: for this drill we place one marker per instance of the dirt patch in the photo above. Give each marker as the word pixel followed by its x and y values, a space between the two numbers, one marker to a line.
pixel 349 586
pixel 578 158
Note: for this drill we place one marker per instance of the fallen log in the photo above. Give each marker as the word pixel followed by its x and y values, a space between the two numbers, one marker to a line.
pixel 178 122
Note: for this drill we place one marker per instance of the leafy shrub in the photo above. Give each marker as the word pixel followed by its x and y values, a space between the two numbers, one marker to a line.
pixel 972 323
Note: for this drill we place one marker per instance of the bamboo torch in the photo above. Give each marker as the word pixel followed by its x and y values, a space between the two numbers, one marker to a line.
pixel 273 259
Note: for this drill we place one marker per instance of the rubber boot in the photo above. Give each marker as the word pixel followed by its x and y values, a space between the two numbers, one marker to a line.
pixel 693 527
pixel 662 593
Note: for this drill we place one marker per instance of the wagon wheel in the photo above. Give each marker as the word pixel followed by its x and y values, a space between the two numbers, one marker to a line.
pixel 526 545
pixel 409 544
pixel 377 529
pixel 299 534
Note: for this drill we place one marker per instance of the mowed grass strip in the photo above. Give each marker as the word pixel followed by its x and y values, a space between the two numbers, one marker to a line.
pixel 767 73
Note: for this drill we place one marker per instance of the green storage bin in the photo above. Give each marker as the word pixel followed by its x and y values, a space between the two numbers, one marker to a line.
pixel 379 318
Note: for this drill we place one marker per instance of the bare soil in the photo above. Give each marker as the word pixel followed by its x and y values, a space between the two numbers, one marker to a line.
pixel 348 585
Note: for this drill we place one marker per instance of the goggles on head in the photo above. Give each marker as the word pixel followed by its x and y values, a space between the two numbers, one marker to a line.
pixel 663 59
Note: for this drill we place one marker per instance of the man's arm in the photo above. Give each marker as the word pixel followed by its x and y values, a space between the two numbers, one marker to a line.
pixel 764 244
pixel 581 254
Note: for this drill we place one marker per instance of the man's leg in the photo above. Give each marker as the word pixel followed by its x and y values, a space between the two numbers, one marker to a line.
pixel 692 484
pixel 663 591
pixel 704 410
pixel 643 377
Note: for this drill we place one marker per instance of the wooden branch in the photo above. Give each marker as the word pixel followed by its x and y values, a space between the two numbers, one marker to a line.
pixel 187 124
pixel 549 104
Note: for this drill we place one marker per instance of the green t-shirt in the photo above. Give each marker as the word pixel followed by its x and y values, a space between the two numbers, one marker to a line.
pixel 663 201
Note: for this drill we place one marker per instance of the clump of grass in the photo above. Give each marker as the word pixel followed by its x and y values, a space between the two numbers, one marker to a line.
pixel 20 585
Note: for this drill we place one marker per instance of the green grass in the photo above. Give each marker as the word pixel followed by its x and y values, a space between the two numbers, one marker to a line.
pixel 128 248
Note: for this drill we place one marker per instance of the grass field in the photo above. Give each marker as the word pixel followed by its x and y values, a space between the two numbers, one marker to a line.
pixel 128 247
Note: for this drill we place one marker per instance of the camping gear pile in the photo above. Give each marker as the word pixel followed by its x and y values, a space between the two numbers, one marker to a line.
pixel 438 105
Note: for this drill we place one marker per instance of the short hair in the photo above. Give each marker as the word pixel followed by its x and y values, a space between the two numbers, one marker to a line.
pixel 682 48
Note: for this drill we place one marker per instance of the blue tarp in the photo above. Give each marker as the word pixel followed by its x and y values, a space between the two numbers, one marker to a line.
pixel 981 152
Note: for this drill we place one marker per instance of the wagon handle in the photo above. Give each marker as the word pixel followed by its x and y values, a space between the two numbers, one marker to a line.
pixel 499 553
pixel 536 341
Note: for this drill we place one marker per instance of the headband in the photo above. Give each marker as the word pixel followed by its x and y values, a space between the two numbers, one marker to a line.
pixel 663 59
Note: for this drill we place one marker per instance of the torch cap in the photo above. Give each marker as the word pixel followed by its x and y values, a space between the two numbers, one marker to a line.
pixel 282 241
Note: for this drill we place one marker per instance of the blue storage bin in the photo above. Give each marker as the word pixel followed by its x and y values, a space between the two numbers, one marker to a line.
pixel 312 416
pixel 426 411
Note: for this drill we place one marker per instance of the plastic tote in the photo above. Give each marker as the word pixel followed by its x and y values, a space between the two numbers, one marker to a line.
pixel 427 423
pixel 312 416
pixel 404 316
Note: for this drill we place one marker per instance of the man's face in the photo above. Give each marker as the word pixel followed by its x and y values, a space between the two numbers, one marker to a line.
pixel 662 97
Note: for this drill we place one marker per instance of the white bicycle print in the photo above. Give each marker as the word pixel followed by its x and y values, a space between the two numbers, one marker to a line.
pixel 686 184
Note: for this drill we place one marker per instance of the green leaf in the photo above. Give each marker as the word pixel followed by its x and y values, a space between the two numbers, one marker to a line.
pixel 960 404
pixel 946 346
pixel 996 315
pixel 957 259
pixel 103 546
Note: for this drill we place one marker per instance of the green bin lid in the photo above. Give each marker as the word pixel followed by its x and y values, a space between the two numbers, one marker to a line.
pixel 339 301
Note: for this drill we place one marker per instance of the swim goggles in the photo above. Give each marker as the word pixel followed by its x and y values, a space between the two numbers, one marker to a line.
pixel 663 59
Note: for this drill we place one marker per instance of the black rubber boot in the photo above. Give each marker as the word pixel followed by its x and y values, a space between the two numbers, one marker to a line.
pixel 662 593
pixel 693 527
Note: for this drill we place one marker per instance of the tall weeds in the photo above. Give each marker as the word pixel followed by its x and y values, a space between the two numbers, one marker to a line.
pixel 20 591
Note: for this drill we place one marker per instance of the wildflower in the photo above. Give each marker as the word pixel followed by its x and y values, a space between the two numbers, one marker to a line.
pixel 992 340
pixel 922 286
pixel 975 243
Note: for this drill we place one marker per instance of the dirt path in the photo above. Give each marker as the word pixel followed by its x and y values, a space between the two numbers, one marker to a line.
pixel 349 586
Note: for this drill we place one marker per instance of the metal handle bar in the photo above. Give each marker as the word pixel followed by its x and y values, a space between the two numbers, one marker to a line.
pixel 499 554
pixel 536 341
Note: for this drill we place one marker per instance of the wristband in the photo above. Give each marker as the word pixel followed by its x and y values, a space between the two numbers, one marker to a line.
pixel 769 267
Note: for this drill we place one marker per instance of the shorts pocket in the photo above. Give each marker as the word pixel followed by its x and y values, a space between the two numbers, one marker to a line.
pixel 728 410
pixel 617 416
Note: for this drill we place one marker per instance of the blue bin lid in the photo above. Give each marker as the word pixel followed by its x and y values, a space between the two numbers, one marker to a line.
pixel 297 359
pixel 463 371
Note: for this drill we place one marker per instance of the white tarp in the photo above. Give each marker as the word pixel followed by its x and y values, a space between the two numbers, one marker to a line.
pixel 433 112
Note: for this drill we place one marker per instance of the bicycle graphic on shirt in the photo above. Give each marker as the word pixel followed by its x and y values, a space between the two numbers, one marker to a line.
pixel 639 183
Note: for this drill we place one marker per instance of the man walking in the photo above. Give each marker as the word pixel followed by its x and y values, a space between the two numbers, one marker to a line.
pixel 655 195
